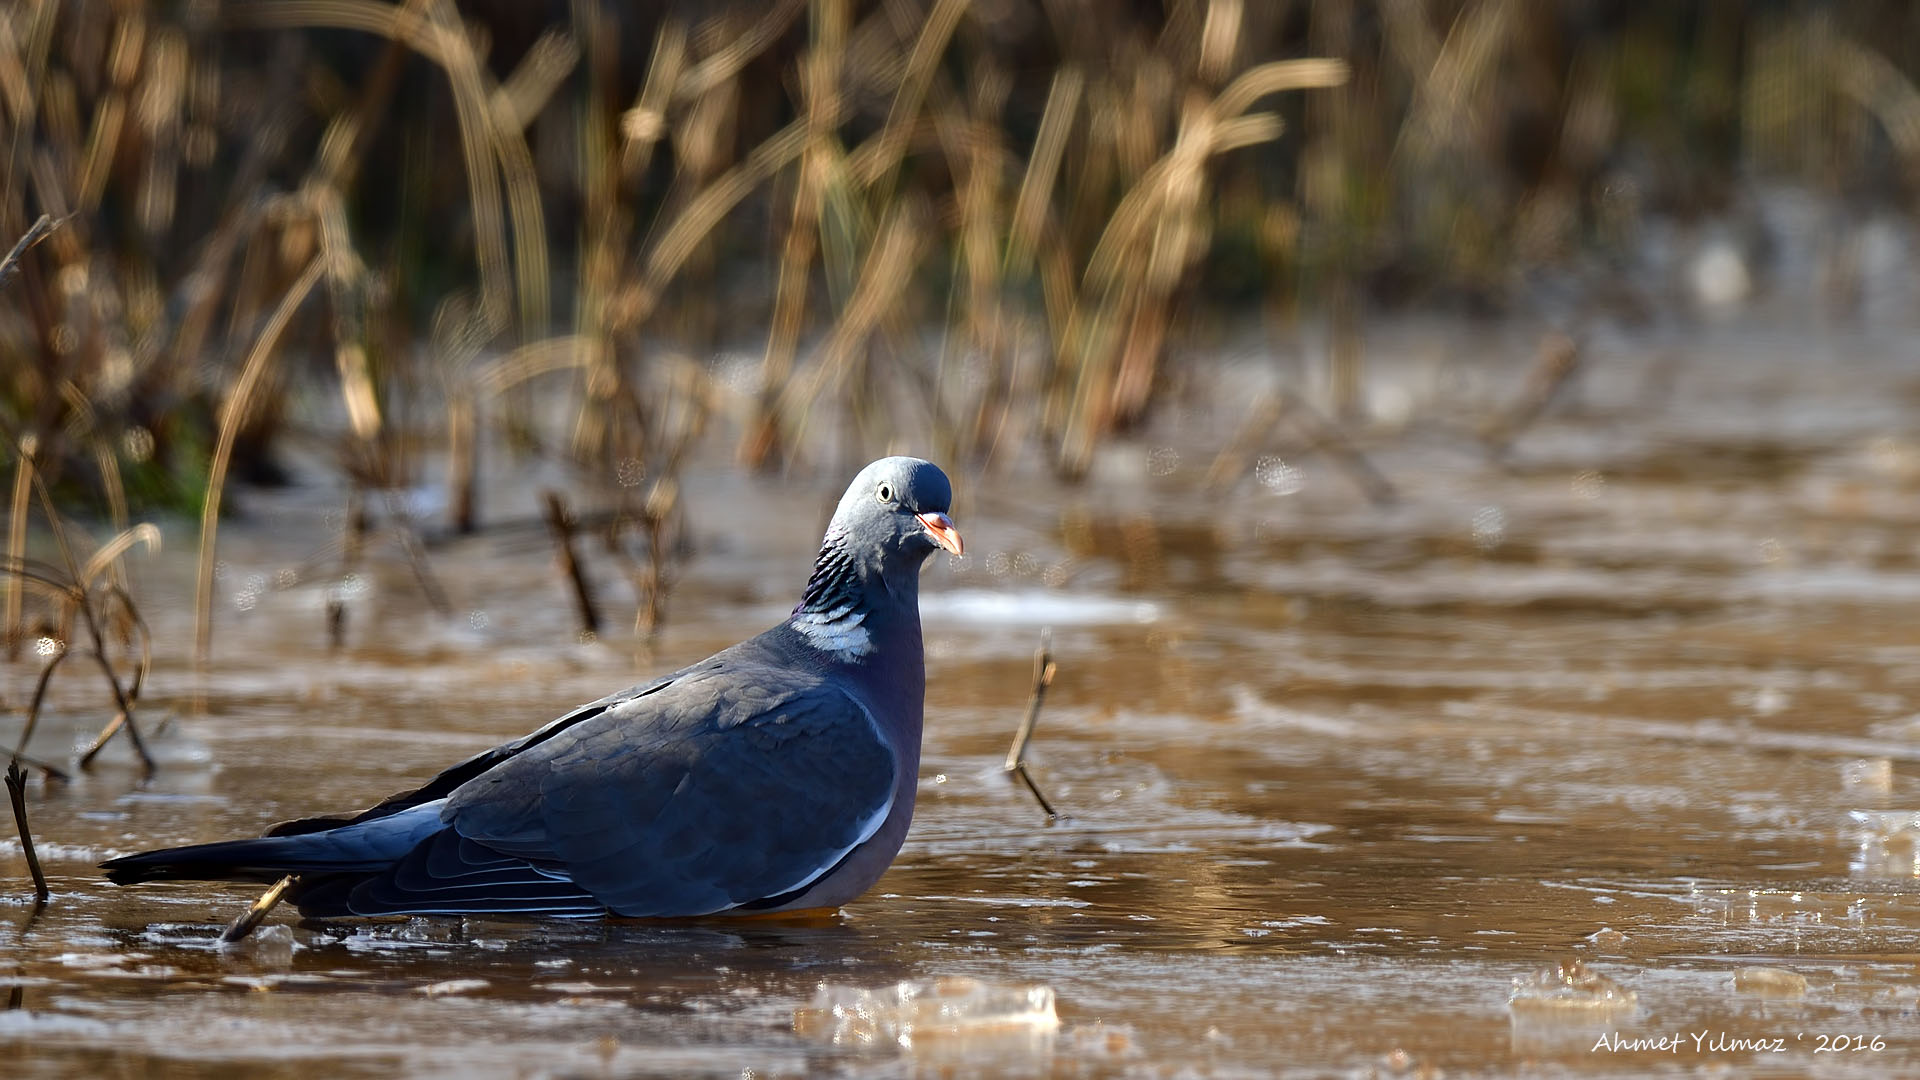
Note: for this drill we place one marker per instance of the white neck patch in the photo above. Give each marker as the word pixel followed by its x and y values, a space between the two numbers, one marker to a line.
pixel 838 632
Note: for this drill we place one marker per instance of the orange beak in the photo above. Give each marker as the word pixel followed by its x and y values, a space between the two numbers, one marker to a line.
pixel 940 527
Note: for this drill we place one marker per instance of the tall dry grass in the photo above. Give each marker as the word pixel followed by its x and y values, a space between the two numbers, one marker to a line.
pixel 987 229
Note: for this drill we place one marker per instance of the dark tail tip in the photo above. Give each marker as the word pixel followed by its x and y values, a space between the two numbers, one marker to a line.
pixel 200 862
pixel 134 869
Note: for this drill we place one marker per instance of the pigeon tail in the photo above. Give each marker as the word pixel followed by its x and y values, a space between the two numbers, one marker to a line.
pixel 366 847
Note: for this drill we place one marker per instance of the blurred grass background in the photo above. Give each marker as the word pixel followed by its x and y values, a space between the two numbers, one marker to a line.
pixel 999 230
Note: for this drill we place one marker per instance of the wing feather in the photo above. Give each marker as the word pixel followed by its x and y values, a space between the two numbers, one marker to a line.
pixel 711 793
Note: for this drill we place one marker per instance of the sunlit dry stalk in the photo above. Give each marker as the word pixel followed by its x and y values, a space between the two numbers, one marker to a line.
pixel 232 412
pixel 472 108
pixel 488 135
pixel 1176 173
pixel 534 359
pixel 108 120
pixel 38 231
pixel 1444 111
pixel 1408 34
pixel 74 596
pixel 1880 87
pixel 978 159
pixel 820 73
pixel 157 110
pixel 1151 238
pixel 1043 167
pixel 531 85
pixel 728 61
pixel 463 459
pixel 601 156
pixel 873 164
pixel 17 538
pixel 645 123
pixel 105 558
pixel 889 265
pixel 108 463
pixel 1219 37
pixel 702 143
pixel 705 211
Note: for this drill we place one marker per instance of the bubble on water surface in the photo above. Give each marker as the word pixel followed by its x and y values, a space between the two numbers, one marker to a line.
pixel 1277 476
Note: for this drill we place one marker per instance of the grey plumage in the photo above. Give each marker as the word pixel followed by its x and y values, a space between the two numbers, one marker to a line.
pixel 774 775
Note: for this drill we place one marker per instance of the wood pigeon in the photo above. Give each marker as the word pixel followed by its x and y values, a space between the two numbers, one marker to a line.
pixel 776 775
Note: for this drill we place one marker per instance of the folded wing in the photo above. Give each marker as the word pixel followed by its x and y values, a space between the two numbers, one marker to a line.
pixel 708 793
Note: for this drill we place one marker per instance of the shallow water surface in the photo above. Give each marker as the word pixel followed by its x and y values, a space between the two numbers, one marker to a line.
pixel 1334 776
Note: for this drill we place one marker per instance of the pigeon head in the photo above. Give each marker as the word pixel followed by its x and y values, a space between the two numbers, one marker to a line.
pixel 898 506
pixel 892 517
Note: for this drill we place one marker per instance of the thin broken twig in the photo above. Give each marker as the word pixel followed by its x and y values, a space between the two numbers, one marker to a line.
pixel 1558 359
pixel 1319 433
pixel 1043 669
pixel 561 523
pixel 249 920
pixel 416 554
pixel 39 231
pixel 17 795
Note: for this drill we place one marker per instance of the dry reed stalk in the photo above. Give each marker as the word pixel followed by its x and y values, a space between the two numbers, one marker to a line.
pixel 1152 237
pixel 706 210
pixel 42 227
pixel 1444 111
pixel 490 137
pixel 463 461
pixel 662 501
pixel 416 553
pixel 1555 363
pixel 728 61
pixel 23 473
pixel 561 523
pixel 820 75
pixel 1880 87
pixel 644 124
pixel 884 275
pixel 233 411
pixel 75 596
pixel 17 539
pixel 16 780
pixel 874 163
pixel 976 155
pixel 1016 763
pixel 1043 167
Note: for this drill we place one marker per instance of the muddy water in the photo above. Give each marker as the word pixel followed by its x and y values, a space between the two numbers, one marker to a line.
pixel 1334 775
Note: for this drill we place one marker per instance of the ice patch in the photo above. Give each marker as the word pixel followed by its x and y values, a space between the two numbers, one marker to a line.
pixel 1034 607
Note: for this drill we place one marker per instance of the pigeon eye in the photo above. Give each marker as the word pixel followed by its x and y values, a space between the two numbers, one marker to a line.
pixel 885 494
